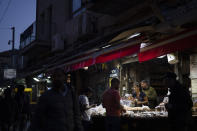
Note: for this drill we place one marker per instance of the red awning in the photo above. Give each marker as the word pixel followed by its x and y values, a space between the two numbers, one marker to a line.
pixel 118 54
pixel 79 65
pixel 82 64
pixel 177 43
pixel 86 62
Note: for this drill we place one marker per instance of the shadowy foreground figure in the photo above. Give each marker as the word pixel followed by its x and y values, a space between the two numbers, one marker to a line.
pixel 179 105
pixel 8 111
pixel 57 109
pixel 23 103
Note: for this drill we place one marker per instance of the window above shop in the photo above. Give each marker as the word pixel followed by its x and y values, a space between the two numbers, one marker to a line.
pixel 77 7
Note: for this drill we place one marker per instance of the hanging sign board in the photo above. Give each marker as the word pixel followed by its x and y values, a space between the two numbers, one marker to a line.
pixel 9 73
pixel 172 58
pixel 114 73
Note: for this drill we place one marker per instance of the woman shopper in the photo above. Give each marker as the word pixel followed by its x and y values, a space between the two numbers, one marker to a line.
pixel 139 96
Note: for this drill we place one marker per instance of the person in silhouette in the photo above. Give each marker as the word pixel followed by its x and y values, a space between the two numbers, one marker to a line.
pixel 179 105
pixel 57 109
pixel 111 102
pixel 8 110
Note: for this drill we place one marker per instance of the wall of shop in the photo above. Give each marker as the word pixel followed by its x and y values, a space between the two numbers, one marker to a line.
pixel 51 17
pixel 193 75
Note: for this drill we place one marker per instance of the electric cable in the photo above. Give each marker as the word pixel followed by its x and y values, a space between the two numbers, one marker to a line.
pixel 5 11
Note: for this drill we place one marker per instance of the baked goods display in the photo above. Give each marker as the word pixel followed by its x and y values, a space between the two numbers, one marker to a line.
pixel 143 108
pixel 98 110
pixel 135 112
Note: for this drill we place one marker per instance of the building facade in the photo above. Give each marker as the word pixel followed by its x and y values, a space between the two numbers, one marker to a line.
pixel 69 31
pixel 8 61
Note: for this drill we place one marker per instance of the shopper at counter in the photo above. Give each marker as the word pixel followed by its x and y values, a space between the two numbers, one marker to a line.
pixel 57 109
pixel 165 99
pixel 139 96
pixel 111 101
pixel 179 105
pixel 150 93
pixel 84 108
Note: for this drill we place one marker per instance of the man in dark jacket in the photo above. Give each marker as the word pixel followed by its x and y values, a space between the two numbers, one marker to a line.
pixel 57 109
pixel 179 105
pixel 23 103
pixel 8 111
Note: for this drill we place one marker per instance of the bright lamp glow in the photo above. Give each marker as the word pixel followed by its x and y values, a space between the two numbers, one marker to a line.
pixel 85 68
pixel 160 57
pixel 48 81
pixel 36 79
pixel 106 46
pixel 143 45
pixel 134 35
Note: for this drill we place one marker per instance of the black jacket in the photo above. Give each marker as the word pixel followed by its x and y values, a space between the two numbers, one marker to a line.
pixel 180 103
pixel 8 110
pixel 56 112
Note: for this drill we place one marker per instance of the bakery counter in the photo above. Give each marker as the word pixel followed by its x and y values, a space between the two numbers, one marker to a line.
pixel 129 123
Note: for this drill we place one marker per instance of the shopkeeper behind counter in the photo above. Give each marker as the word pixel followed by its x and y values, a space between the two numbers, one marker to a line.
pixel 150 93
pixel 139 97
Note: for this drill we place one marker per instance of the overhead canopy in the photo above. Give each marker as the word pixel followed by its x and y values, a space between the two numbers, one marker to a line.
pixel 85 63
pixel 126 34
pixel 102 58
pixel 118 54
pixel 178 42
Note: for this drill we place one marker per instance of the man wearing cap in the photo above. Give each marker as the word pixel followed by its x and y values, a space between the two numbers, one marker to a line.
pixel 150 93
pixel 179 105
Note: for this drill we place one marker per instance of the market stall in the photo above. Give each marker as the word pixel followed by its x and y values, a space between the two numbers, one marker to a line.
pixel 134 63
pixel 136 118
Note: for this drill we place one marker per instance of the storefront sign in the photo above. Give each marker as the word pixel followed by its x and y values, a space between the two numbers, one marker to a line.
pixel 172 58
pixel 114 73
pixel 9 73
